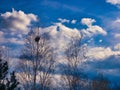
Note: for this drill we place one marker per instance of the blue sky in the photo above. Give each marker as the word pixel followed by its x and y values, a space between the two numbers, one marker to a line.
pixel 98 20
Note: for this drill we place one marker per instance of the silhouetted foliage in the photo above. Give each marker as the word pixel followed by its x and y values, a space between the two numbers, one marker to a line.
pixel 3 73
pixel 12 83
pixel 3 69
pixel 5 83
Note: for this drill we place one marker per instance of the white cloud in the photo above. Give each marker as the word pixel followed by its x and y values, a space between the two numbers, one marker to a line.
pixel 100 40
pixel 60 35
pixel 63 20
pixel 68 32
pixel 73 21
pixel 101 53
pixel 118 20
pixel 2 39
pixel 115 24
pixel 1 33
pixel 15 41
pixel 92 29
pixel 87 21
pixel 117 35
pixel 117 46
pixel 17 21
pixel 14 25
pixel 90 40
pixel 114 2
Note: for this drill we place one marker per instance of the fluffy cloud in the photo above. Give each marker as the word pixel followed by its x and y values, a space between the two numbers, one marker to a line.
pixel 15 41
pixel 92 29
pixel 66 31
pixel 101 53
pixel 87 21
pixel 100 40
pixel 117 35
pixel 113 27
pixel 67 21
pixel 15 24
pixel 16 21
pixel 73 21
pixel 116 24
pixel 63 20
pixel 61 35
pixel 2 39
pixel 117 46
pixel 59 28
pixel 1 33
pixel 114 2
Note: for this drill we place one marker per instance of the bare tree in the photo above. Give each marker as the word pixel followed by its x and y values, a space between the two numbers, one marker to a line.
pixel 100 83
pixel 37 64
pixel 74 54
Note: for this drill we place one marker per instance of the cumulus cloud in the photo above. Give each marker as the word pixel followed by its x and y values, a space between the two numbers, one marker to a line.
pixel 60 28
pixel 15 41
pixel 117 21
pixel 61 35
pixel 68 32
pixel 16 21
pixel 87 21
pixel 63 20
pixel 92 29
pixel 115 24
pixel 100 40
pixel 15 24
pixel 2 39
pixel 67 21
pixel 117 46
pixel 114 2
pixel 73 21
pixel 101 53
pixel 117 35
pixel 1 33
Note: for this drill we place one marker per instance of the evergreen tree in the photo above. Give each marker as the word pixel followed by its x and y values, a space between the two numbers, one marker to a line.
pixel 12 83
pixel 3 73
pixel 5 83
